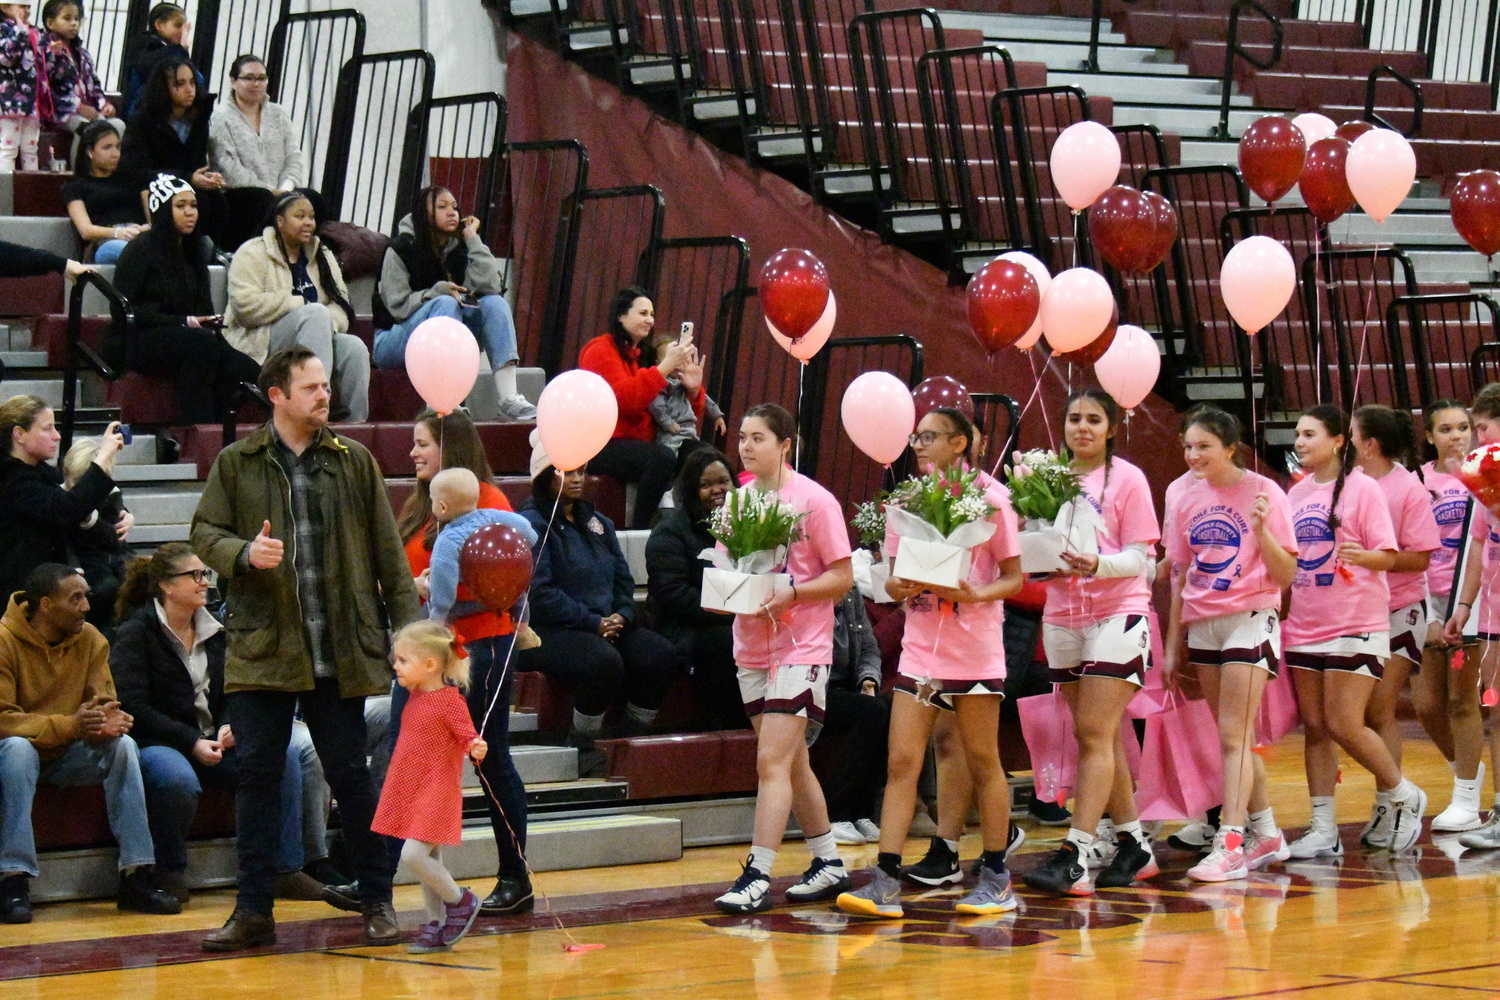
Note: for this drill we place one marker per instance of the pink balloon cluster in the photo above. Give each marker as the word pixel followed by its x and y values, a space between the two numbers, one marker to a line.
pixel 879 414
pixel 1085 162
pixel 1377 169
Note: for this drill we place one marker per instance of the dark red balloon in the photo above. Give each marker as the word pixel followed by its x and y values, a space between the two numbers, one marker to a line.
pixel 1349 131
pixel 495 563
pixel 1122 227
pixel 1166 227
pixel 942 392
pixel 1094 349
pixel 1271 154
pixel 793 291
pixel 1324 187
pixel 1003 302
pixel 1475 205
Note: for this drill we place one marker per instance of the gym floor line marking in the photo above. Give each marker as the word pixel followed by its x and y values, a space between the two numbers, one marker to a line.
pixel 413 961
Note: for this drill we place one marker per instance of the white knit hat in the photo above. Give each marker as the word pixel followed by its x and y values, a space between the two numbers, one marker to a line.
pixel 539 459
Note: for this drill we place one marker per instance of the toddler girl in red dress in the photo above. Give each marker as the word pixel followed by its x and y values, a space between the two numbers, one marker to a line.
pixel 422 800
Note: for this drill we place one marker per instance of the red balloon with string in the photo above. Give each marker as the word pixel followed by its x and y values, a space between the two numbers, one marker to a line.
pixel 793 291
pixel 1271 154
pixel 1122 227
pixel 1003 300
pixel 1475 205
pixel 495 563
pixel 1323 184
pixel 1165 232
pixel 1349 131
pixel 942 392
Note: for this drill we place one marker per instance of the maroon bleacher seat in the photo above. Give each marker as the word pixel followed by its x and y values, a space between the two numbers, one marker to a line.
pixel 38 193
pixel 34 296
pixel 65 818
pixel 684 765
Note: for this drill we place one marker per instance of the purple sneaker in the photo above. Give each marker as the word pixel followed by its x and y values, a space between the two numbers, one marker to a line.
pixel 429 939
pixel 460 918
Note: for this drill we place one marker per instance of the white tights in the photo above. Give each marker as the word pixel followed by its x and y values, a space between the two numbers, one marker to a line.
pixel 18 141
pixel 425 861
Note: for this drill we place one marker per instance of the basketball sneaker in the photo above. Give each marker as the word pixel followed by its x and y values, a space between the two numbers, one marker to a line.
pixel 1318 842
pixel 846 833
pixel 938 867
pixel 992 895
pixel 1133 862
pixel 751 893
pixel 1101 850
pixel 1195 836
pixel 822 880
pixel 1266 851
pixel 1406 824
pixel 1487 837
pixel 1377 832
pixel 1463 812
pixel 1063 874
pixel 868 830
pixel 881 897
pixel 1221 865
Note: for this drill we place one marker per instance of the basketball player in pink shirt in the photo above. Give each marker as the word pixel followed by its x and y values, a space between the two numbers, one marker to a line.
pixel 1482 585
pixel 783 655
pixel 1446 700
pixel 952 660
pixel 1384 447
pixel 1230 540
pixel 1096 631
pixel 1338 631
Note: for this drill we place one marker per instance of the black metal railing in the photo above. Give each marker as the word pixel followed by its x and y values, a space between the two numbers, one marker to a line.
pixel 1356 284
pixel 1234 50
pixel 998 419
pixel 1091 63
pixel 1445 335
pixel 535 197
pixel 105 33
pixel 464 140
pixel 224 31
pixel 612 240
pixel 309 55
pixel 378 136
pixel 1411 86
pixel 884 48
pixel 81 356
pixel 748 367
pixel 1034 117
pixel 1484 365
pixel 702 280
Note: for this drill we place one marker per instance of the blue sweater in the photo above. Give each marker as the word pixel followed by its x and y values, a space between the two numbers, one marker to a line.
pixel 581 575
pixel 442 587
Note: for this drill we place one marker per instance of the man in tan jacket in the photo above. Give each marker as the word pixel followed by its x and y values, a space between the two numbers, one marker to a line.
pixel 61 725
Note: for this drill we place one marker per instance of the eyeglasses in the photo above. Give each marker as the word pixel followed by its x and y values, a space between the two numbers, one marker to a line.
pixel 198 575
pixel 253 78
pixel 926 438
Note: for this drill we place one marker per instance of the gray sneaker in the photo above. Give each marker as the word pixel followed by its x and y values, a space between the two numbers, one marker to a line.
pixel 881 897
pixel 992 895
pixel 516 408
pixel 1487 837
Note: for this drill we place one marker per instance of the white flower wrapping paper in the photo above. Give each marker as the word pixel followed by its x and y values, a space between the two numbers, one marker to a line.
pixel 1075 530
pixel 926 555
pixel 741 587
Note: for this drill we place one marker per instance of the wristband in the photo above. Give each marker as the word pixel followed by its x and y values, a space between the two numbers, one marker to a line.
pixel 1465 604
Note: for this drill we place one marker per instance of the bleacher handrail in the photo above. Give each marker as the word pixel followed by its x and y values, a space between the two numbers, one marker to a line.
pixel 1011 102
pixel 1092 63
pixel 1234 50
pixel 879 135
pixel 1412 87
pixel 416 171
pixel 1413 308
pixel 1351 355
pixel 80 354
pixel 815 391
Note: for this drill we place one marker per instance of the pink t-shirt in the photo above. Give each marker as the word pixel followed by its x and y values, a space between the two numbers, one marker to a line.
pixel 1331 598
pixel 803 634
pixel 1210 538
pixel 962 642
pixel 1485 530
pixel 1410 507
pixel 1450 502
pixel 1129 518
pixel 1174 492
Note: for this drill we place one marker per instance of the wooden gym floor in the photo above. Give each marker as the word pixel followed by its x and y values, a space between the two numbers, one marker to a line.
pixel 1376 926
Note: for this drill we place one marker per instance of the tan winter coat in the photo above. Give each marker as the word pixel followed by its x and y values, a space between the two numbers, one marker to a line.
pixel 41 686
pixel 260 293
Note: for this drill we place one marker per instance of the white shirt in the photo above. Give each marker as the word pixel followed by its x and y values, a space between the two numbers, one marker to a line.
pixel 205 627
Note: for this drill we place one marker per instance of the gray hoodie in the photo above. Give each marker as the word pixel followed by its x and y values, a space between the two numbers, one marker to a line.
pixel 481 278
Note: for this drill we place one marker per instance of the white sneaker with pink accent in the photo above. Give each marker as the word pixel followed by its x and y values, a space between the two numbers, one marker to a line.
pixel 1266 851
pixel 1222 865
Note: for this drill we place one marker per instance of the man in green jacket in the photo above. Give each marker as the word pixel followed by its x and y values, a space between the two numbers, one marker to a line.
pixel 295 520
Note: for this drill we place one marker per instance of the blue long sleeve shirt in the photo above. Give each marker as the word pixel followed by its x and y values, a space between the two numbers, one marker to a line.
pixel 442 587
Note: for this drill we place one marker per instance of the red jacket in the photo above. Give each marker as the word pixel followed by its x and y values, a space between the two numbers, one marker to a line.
pixel 635 387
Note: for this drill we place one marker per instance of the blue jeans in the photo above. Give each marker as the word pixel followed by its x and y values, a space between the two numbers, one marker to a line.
pixel 108 252
pixel 115 764
pixel 490 320
pixel 174 783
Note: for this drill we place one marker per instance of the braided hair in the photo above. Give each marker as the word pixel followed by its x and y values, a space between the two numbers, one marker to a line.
pixel 1111 409
pixel 323 260
pixel 1333 421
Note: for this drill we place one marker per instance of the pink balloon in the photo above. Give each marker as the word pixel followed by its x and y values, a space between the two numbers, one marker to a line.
pixel 575 417
pixel 1128 370
pixel 1085 162
pixel 1076 309
pixel 1257 281
pixel 1314 126
pixel 879 415
pixel 1380 168
pixel 813 340
pixel 442 361
pixel 1043 279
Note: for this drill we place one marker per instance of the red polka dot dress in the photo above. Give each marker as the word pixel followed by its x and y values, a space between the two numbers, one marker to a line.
pixel 422 798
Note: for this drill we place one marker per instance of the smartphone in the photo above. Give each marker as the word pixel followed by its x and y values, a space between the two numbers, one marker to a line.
pixel 124 430
pixel 685 335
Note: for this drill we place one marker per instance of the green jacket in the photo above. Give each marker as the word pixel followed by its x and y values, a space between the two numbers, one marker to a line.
pixel 369 583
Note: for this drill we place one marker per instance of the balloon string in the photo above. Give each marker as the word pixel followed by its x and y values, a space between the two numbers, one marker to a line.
pixel 1317 330
pixel 1364 329
pixel 797 443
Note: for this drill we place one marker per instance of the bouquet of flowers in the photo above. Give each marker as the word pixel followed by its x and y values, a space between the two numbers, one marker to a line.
pixel 1480 474
pixel 939 517
pixel 869 522
pixel 755 529
pixel 1046 492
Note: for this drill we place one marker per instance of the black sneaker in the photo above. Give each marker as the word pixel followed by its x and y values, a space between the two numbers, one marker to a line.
pixel 938 867
pixel 15 899
pixel 140 893
pixel 822 880
pixel 1012 845
pixel 1063 874
pixel 1048 813
pixel 1132 863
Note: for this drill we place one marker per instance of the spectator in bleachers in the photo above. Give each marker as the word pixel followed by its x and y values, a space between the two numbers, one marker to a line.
pixel 96 545
pixel 61 725
pixel 638 373
pixel 164 274
pixel 77 94
pixel 285 290
pixel 253 143
pixel 438 266
pixel 36 511
pixel 674 586
pixel 103 201
pixel 17 261
pixel 169 134
pixel 166 27
pixel 583 608
pixel 856 720
pixel 168 666
pixel 25 98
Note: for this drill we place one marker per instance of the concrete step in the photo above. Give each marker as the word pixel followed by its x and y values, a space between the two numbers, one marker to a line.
pixel 180 472
pixel 1146 88
pixel 536 765
pixel 1451 265
pixel 95 304
pixel 20 360
pixel 49 390
pixel 1073 56
pixel 149 536
pixel 1198 153
pixel 1058 29
pixel 55 235
pixel 1186 122
pixel 162 507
